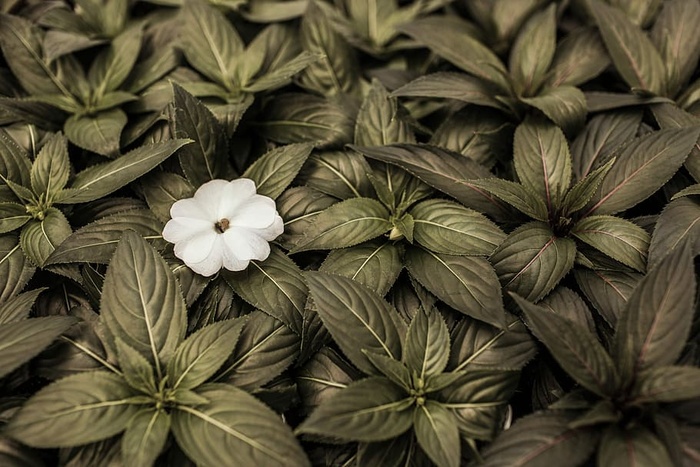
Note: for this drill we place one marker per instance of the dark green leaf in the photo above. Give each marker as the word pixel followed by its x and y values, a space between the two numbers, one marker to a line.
pixel 39 238
pixel 137 371
pixel 282 75
pixel 341 174
pixel 372 409
pixel 142 302
pixel 99 133
pixel 632 447
pixel 668 384
pixel 641 167
pixel 533 51
pixel 532 260
pixel 375 264
pixel 395 370
pixel 566 303
pixel 111 67
pixel 14 163
pixel 345 224
pixel 581 193
pixel 564 105
pixel 205 159
pixel 427 344
pixel 522 198
pixel 603 412
pixel 326 373
pixel 580 56
pixel 357 318
pixel 466 283
pixel 162 189
pixel 599 101
pixel 21 341
pixel 632 53
pixel 276 169
pixel 379 121
pixel 145 437
pixel 17 308
pixel 200 355
pixel 12 216
pixel 235 427
pixel 654 326
pixel 437 434
pixel 275 286
pixel 103 179
pixel 446 227
pixel 57 416
pixel 15 268
pixel 670 116
pixel 608 291
pixel 96 242
pixel 618 238
pixel 51 167
pixel 677 223
pixel 576 349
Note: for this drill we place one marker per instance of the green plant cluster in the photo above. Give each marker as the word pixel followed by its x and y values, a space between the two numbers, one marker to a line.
pixel 491 216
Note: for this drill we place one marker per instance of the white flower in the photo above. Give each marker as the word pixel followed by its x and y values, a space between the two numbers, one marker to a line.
pixel 226 224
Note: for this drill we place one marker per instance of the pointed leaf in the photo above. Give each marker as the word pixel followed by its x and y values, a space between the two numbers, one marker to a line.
pixel 346 224
pixel 57 415
pixel 427 344
pixel 632 447
pixel 14 163
pixel 282 75
pixel 39 238
pixel 668 384
pixel 576 349
pixel 110 68
pixel 15 267
pixel 608 291
pixel 13 216
pixel 99 133
pixel 17 308
pixel 669 116
pixel 202 353
pixel 235 427
pixel 372 409
pixel 446 227
pixel 276 169
pixel 379 121
pixel 564 105
pixel 51 167
pixel 357 318
pixel 533 50
pixel 581 193
pixel 522 198
pixel 641 167
pixel 205 159
pixel 340 174
pixel 162 190
pixel 633 54
pixel 103 179
pixel 145 437
pixel 579 57
pixel 138 372
pixel 437 434
pixel 141 301
pixel 618 238
pixel 466 283
pixel 532 260
pixel 396 371
pixel 679 222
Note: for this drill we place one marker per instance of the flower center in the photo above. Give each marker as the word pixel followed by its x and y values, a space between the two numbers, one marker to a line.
pixel 222 225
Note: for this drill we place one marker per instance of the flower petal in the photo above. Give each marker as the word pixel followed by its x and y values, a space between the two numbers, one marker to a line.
pixel 190 208
pixel 212 263
pixel 258 212
pixel 210 196
pixel 197 248
pixel 180 229
pixel 233 262
pixel 270 232
pixel 246 245
pixel 236 193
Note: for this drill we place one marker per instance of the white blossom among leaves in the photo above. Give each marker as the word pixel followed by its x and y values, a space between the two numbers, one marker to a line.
pixel 226 224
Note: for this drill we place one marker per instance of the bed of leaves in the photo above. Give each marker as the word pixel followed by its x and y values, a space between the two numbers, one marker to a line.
pixel 491 221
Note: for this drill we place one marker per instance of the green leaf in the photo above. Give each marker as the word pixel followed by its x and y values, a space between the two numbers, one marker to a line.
pixel 669 116
pixel 450 85
pixel 210 43
pixel 275 286
pixel 632 447
pixel 564 105
pixel 57 415
pixel 235 427
pixel 99 132
pixel 206 159
pixel 379 120
pixel 599 101
pixel 522 198
pixel 372 409
pixel 446 227
pixel 581 193
pixel 282 75
pixel 476 345
pixel 667 384
pixel 632 53
pixel 566 303
pixel 574 347
pixel 579 57
pixel 145 437
pixel 96 242
pixel 199 356
pixel 437 434
pixel 466 283
pixel 17 308
pixel 678 41
pixel 51 167
pixel 471 55
pixel 595 145
pixel 427 344
pixel 532 260
pixel 341 174
pixel 678 223
pixel 21 341
pixel 276 169
pixel 357 318
pixel 396 371
pixel 345 224
pixel 444 170
pixel 542 160
pixel 142 302
pixel 39 238
pixel 375 264
pixel 533 51
pixel 12 216
pixel 162 189
pixel 654 326
pixel 265 349
pixel 110 68
pixel 608 291
pixel 618 238
pixel 102 179
pixel 641 167
pixel 15 267
pixel 543 438
pixel 603 412
pixel 137 371
pixel 14 163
